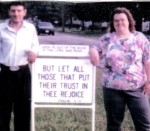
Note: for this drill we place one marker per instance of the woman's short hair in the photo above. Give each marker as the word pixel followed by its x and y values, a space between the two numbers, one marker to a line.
pixel 130 18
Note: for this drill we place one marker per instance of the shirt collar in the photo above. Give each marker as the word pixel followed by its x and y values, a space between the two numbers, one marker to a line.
pixel 6 25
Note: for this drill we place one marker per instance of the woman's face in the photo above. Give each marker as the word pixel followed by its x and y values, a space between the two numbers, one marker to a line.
pixel 121 23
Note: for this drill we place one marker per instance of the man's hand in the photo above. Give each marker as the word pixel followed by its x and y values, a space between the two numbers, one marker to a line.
pixel 31 57
pixel 94 56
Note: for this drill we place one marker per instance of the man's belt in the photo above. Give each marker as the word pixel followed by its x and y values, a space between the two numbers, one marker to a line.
pixel 13 68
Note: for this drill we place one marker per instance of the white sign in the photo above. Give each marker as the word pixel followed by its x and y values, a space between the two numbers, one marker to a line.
pixel 63 80
pixel 69 79
pixel 64 50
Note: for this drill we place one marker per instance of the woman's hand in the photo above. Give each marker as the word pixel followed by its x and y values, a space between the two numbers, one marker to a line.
pixel 146 89
pixel 94 56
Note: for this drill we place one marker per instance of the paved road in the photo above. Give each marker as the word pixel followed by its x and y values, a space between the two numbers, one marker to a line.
pixel 65 38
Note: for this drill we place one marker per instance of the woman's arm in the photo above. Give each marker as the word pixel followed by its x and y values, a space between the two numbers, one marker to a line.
pixel 147 84
pixel 94 56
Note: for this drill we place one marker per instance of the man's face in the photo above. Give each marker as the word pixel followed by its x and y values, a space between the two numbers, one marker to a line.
pixel 17 13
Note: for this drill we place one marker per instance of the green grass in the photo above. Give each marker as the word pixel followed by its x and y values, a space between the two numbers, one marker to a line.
pixel 63 120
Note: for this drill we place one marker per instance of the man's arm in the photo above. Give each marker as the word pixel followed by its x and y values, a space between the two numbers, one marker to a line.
pixel 32 54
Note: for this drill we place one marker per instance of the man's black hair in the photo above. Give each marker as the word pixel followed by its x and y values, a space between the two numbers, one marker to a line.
pixel 17 4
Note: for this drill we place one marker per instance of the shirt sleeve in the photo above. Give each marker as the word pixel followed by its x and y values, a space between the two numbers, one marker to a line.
pixel 101 43
pixel 146 50
pixel 35 42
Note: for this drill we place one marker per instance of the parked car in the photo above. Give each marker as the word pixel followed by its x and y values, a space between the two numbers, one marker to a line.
pixel 45 28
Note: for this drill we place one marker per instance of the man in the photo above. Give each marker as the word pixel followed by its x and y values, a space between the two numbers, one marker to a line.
pixel 18 47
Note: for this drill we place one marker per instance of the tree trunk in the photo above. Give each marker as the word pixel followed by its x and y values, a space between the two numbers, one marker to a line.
pixel 82 26
pixel 63 18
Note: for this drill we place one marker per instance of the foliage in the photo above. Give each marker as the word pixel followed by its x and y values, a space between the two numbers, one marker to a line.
pixel 45 11
pixel 95 11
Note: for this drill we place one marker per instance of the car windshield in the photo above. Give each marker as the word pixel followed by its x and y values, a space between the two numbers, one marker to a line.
pixel 45 24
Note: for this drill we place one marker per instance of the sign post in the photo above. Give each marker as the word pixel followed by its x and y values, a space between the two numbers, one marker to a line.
pixel 63 77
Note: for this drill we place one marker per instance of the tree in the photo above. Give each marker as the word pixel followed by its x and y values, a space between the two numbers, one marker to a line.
pixel 95 11
pixel 4 10
pixel 100 11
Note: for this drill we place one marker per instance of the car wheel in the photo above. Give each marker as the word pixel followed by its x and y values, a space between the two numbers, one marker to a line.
pixel 53 33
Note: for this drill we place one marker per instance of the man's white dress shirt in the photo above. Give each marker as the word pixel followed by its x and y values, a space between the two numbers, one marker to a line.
pixel 14 46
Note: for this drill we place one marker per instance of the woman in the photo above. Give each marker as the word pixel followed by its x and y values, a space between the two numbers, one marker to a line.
pixel 124 58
